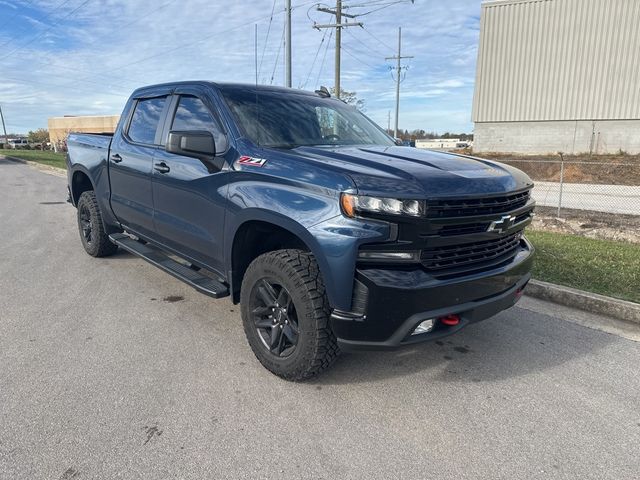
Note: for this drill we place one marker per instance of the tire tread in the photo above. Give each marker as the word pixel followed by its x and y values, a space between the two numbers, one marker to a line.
pixel 325 349
pixel 101 245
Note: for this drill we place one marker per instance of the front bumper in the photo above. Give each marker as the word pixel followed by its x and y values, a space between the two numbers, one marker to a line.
pixel 397 300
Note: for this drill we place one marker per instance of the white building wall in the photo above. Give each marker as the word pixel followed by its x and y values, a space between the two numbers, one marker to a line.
pixel 558 61
pixel 599 137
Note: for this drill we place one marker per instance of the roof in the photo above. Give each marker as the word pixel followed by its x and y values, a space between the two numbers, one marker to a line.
pixel 223 86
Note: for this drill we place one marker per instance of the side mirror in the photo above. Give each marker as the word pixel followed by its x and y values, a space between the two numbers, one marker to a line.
pixel 399 142
pixel 197 143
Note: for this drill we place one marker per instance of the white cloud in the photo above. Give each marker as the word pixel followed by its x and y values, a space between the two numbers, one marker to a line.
pixel 88 61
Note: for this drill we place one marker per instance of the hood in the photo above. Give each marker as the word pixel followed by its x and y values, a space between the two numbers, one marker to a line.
pixel 388 171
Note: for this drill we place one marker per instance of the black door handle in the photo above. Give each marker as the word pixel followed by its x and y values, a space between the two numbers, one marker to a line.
pixel 161 167
pixel 116 158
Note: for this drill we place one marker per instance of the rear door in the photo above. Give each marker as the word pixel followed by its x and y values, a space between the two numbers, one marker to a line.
pixel 189 194
pixel 131 164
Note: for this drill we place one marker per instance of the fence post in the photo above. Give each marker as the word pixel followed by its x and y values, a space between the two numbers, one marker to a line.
pixel 561 183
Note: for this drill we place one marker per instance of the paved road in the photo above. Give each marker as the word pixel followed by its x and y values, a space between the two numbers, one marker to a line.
pixel 101 376
pixel 582 196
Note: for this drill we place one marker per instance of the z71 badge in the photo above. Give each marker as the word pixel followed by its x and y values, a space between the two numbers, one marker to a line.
pixel 252 161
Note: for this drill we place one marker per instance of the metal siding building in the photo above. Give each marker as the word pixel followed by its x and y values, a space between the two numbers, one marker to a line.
pixel 558 75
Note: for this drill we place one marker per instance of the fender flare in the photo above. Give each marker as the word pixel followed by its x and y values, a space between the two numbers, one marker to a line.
pixel 282 221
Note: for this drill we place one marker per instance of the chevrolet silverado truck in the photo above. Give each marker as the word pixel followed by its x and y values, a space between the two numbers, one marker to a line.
pixel 329 235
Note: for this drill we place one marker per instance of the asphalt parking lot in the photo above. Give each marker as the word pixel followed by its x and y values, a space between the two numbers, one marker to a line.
pixel 110 368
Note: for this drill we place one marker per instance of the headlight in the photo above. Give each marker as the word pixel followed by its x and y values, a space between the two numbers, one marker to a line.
pixel 352 205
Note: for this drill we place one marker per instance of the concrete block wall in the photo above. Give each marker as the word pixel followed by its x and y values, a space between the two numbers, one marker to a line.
pixel 530 138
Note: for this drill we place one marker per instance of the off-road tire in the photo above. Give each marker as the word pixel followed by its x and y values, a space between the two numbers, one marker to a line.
pixel 98 244
pixel 316 347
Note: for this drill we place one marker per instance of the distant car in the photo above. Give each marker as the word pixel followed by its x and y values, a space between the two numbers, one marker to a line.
pixel 462 145
pixel 17 143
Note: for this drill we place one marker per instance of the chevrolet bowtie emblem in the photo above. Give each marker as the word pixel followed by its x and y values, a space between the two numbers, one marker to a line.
pixel 502 225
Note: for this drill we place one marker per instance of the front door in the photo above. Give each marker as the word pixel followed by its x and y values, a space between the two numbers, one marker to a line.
pixel 189 194
pixel 131 164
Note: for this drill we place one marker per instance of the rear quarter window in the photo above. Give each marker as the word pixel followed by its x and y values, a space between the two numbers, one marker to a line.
pixel 145 120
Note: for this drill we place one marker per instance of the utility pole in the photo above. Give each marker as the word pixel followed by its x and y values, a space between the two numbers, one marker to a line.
pixel 4 128
pixel 288 45
pixel 336 81
pixel 338 26
pixel 398 68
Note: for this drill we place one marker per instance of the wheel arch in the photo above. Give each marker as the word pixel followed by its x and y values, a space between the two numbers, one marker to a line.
pixel 255 236
pixel 80 183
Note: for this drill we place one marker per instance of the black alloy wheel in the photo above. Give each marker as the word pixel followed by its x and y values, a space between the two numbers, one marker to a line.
pixel 286 314
pixel 92 233
pixel 85 223
pixel 275 317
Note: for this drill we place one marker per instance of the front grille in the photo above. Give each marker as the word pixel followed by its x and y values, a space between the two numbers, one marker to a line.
pixel 463 229
pixel 463 259
pixel 476 206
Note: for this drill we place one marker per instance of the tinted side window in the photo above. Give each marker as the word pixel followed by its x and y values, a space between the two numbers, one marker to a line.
pixel 193 114
pixel 145 119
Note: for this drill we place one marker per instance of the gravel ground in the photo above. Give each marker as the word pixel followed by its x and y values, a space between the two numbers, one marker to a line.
pixel 110 368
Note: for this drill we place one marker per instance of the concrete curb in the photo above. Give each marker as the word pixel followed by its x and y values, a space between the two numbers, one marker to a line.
pixel 589 302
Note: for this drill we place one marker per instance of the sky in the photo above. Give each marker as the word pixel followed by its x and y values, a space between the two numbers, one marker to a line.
pixel 85 57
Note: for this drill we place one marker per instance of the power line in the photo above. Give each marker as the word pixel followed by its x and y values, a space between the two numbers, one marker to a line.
pixel 46 30
pixel 101 83
pixel 346 50
pixel 28 2
pixel 266 40
pixel 378 40
pixel 313 64
pixel 381 6
pixel 362 43
pixel 48 84
pixel 179 47
pixel 94 40
pixel 326 49
pixel 275 65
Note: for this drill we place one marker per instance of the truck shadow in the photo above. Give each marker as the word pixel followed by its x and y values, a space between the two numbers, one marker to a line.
pixel 514 343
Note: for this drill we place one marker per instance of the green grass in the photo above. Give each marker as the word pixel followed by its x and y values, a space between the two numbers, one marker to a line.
pixel 599 266
pixel 47 157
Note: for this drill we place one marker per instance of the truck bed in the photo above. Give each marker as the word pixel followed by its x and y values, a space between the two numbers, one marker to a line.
pixel 89 149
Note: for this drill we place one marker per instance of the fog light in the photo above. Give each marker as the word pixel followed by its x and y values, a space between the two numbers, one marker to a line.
pixel 424 327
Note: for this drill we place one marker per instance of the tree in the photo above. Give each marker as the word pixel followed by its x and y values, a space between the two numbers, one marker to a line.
pixel 350 98
pixel 40 136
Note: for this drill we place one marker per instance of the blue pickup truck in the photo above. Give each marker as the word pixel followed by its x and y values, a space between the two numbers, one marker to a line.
pixel 329 235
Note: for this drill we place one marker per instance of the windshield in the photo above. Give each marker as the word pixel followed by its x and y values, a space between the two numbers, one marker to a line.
pixel 274 119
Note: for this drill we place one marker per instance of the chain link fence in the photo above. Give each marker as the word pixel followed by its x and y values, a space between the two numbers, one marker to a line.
pixel 597 197
pixel 595 185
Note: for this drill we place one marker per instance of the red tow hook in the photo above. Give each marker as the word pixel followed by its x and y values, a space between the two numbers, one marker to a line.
pixel 450 320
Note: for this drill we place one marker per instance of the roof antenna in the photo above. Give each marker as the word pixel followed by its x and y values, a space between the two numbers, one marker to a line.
pixel 255 42
pixel 255 50
pixel 323 92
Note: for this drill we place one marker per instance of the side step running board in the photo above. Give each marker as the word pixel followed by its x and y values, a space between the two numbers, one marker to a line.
pixel 155 256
